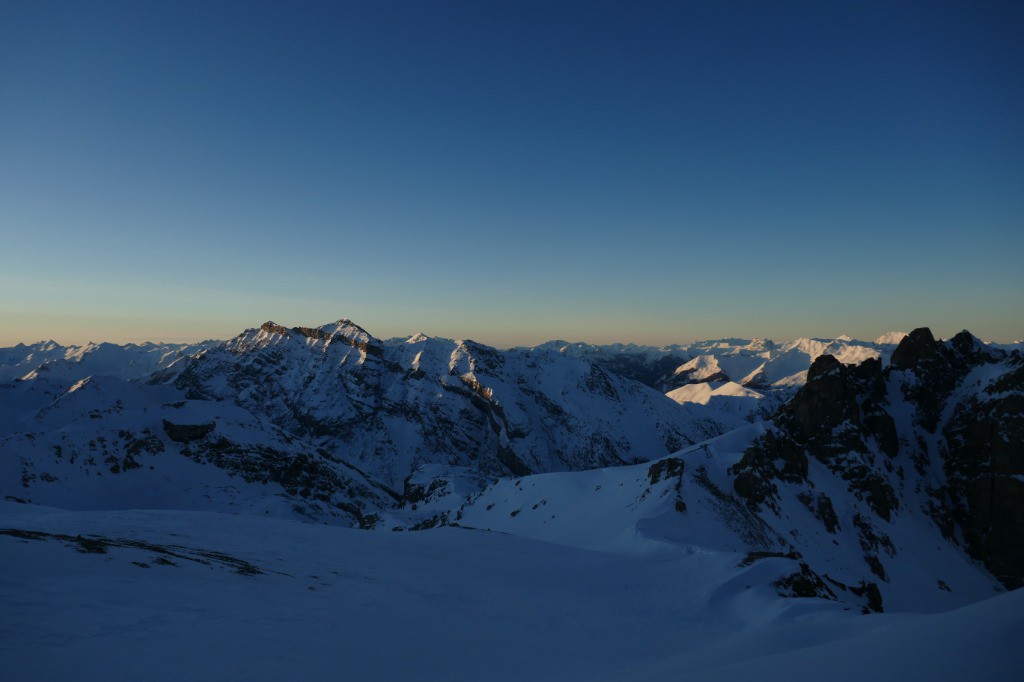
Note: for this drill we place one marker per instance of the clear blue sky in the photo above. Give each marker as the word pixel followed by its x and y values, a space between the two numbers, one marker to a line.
pixel 511 172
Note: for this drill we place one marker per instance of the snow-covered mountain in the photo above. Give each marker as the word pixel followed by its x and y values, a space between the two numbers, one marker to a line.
pixel 897 486
pixel 71 363
pixel 322 421
pixel 756 363
pixel 764 368
pixel 392 407
pixel 335 424
pixel 679 533
pixel 332 423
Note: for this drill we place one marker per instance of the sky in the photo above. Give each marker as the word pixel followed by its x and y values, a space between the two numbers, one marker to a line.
pixel 511 172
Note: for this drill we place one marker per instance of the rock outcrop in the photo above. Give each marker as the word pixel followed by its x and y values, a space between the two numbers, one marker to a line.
pixel 963 445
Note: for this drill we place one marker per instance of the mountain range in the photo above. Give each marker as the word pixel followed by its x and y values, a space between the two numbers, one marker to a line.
pixel 862 477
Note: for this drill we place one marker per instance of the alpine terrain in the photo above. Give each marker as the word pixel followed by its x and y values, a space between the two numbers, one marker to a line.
pixel 317 501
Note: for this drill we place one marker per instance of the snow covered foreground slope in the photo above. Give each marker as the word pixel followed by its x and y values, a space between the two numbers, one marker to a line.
pixel 199 595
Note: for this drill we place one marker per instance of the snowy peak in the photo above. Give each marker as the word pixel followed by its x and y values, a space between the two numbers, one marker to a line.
pixel 343 331
pixel 916 347
pixel 921 353
pixel 271 327
pixel 758 363
pixel 845 349
pixel 890 339
pixel 766 365
pixel 349 330
pixel 725 397
pixel 390 407
pixel 973 349
pixel 701 369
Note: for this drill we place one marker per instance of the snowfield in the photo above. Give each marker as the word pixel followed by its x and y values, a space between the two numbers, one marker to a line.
pixel 214 596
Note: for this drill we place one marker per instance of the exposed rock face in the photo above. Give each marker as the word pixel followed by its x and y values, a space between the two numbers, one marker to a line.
pixel 984 464
pixel 836 395
pixel 186 433
pixel 933 369
pixel 963 446
pixel 807 583
pixel 917 350
pixel 772 459
pixel 981 441
pixel 315 478
pixel 837 418
pixel 821 506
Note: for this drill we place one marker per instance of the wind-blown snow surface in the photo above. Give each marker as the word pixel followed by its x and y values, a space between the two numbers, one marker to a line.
pixel 192 595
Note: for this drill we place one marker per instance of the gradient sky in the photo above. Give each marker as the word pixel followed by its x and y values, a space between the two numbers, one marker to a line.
pixel 511 172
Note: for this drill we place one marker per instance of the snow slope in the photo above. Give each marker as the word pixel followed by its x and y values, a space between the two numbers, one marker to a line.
pixel 161 595
pixel 725 397
pixel 689 507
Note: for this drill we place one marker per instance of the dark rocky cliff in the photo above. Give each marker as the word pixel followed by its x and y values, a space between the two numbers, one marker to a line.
pixel 960 445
